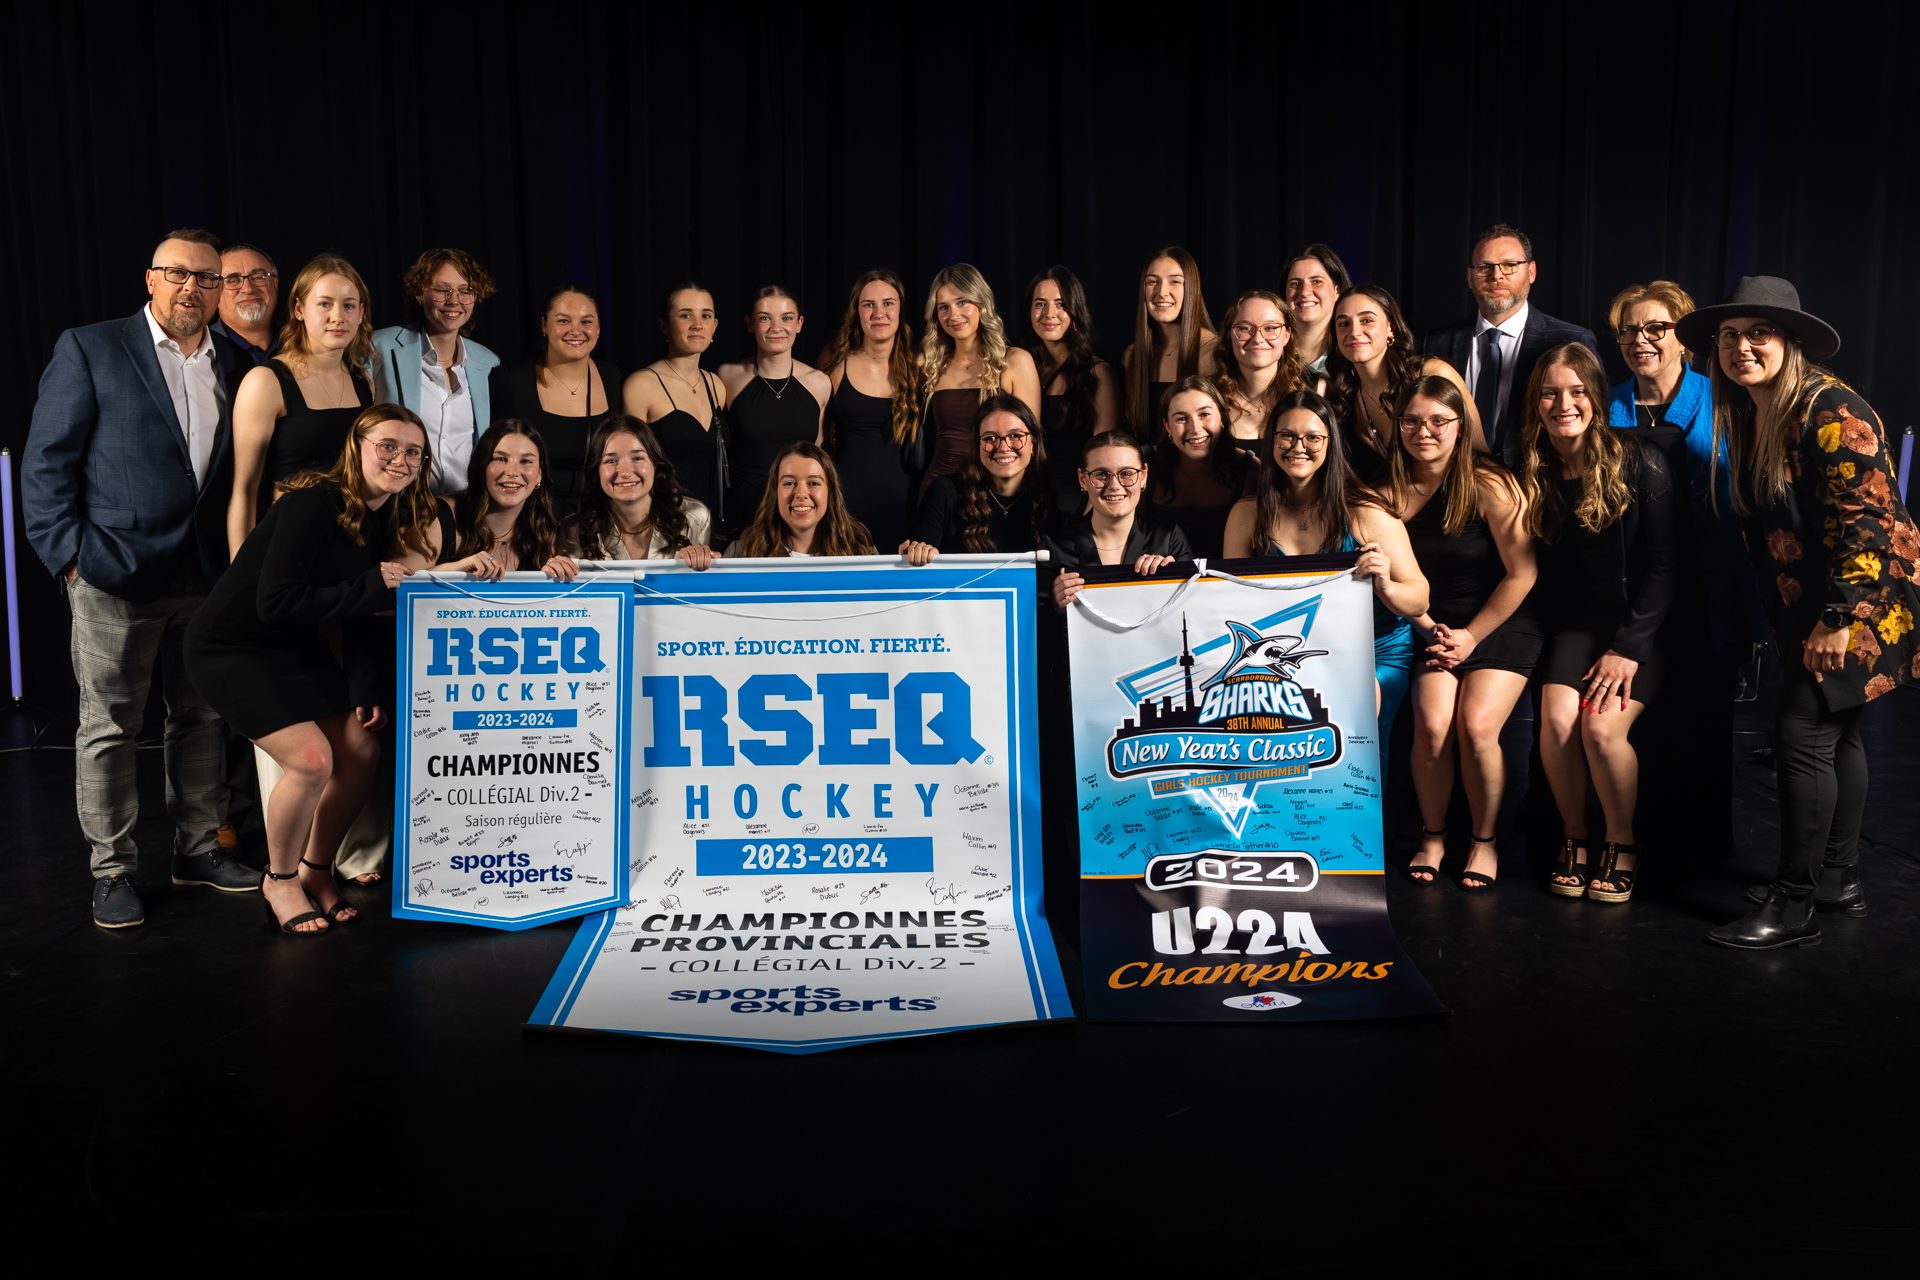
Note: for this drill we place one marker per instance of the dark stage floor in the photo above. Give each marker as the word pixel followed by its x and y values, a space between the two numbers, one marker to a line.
pixel 1609 1092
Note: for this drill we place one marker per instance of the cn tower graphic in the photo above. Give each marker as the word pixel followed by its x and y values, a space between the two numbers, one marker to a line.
pixel 1186 659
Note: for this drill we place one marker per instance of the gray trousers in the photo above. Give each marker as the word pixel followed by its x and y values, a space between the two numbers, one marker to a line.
pixel 116 645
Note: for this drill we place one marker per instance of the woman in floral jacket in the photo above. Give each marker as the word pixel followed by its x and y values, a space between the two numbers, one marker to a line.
pixel 1834 548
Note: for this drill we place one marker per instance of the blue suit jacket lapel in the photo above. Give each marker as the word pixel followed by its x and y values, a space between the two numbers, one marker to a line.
pixel 138 341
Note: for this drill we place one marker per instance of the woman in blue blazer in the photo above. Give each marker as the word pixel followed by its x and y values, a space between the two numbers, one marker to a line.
pixel 436 370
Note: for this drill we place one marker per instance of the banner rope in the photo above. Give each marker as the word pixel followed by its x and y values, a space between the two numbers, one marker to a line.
pixel 1202 571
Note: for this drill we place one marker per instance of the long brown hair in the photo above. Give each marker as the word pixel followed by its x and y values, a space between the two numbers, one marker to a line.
pixel 977 503
pixel 1149 343
pixel 1402 365
pixel 595 525
pixel 903 365
pixel 1606 462
pixel 1758 449
pixel 839 534
pixel 292 350
pixel 1076 371
pixel 1334 490
pixel 1467 467
pixel 415 509
pixel 1229 464
pixel 535 535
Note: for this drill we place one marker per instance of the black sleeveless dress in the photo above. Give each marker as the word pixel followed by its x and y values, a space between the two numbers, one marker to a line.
pixel 307 439
pixel 1064 444
pixel 1462 571
pixel 949 415
pixel 696 452
pixel 878 489
pixel 764 419
pixel 515 391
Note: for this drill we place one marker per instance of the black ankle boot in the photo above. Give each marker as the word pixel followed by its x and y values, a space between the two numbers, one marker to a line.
pixel 1780 921
pixel 1838 889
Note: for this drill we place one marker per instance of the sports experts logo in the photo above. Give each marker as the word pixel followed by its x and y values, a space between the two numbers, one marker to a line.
pixel 798 1002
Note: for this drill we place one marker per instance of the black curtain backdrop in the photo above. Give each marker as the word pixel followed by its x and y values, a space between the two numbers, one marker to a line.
pixel 627 147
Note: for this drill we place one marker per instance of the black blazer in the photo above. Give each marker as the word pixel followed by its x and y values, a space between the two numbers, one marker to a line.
pixel 1454 343
pixel 1071 541
pixel 1644 546
pixel 107 482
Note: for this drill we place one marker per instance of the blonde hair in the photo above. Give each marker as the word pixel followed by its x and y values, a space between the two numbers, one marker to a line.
pixel 293 334
pixel 1758 448
pixel 1678 302
pixel 936 347
pixel 1604 457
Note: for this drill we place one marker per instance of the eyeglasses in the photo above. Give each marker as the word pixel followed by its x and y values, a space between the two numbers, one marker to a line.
pixel 257 278
pixel 1758 336
pixel 1288 442
pixel 1433 426
pixel 1653 329
pixel 1014 440
pixel 180 275
pixel 1127 476
pixel 391 449
pixel 447 293
pixel 1487 270
pixel 1271 332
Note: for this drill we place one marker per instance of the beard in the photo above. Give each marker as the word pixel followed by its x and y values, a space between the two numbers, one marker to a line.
pixel 1500 304
pixel 250 312
pixel 184 322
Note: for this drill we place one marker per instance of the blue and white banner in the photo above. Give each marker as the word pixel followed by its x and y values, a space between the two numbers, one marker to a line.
pixel 1229 794
pixel 511 779
pixel 836 810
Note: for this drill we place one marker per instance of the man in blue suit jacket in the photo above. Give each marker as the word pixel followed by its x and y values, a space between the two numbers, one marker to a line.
pixel 125 483
pixel 1495 350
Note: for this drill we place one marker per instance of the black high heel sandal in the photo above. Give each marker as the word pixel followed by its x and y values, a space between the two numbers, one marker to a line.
pixel 1475 881
pixel 289 927
pixel 1567 868
pixel 1612 873
pixel 332 913
pixel 1420 872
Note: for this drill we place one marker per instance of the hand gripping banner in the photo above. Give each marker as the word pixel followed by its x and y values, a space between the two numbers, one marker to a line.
pixel 835 807
pixel 1229 793
pixel 510 775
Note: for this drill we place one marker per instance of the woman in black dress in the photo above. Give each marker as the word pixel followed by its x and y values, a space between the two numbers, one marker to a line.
pixel 1173 336
pixel 1197 473
pixel 964 359
pixel 320 564
pixel 292 413
pixel 1080 397
pixel 1373 362
pixel 772 398
pixel 999 501
pixel 1603 504
pixel 1467 524
pixel 685 404
pixel 562 391
pixel 874 430
pixel 802 513
pixel 1112 475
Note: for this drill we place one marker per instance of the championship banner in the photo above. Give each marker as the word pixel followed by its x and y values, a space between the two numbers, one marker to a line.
pixel 1229 792
pixel 835 806
pixel 510 802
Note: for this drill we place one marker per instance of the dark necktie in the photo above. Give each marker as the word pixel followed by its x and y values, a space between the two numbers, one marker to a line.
pixel 1486 388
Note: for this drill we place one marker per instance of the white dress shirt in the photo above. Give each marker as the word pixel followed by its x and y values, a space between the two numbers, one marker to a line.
pixel 193 382
pixel 1509 330
pixel 446 406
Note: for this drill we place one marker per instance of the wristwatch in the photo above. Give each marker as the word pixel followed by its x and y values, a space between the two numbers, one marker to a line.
pixel 1834 618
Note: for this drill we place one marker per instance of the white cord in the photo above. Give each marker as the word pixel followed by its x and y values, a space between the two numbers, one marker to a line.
pixel 1201 571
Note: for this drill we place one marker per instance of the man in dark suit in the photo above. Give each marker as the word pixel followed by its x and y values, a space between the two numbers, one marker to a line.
pixel 1496 350
pixel 125 484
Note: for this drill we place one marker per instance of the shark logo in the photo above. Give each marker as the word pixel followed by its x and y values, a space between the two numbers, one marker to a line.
pixel 1250 723
pixel 1281 655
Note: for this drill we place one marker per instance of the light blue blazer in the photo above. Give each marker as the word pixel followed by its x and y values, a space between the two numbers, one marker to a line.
pixel 396 372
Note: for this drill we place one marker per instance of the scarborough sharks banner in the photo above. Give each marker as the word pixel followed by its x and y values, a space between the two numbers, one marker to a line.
pixel 835 809
pixel 1229 796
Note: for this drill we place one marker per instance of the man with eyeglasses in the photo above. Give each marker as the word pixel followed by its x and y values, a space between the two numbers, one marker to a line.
pixel 1497 348
pixel 250 293
pixel 124 489
pixel 437 370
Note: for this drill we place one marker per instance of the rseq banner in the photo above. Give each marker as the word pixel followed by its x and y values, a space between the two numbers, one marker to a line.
pixel 835 808
pixel 510 806
pixel 1229 797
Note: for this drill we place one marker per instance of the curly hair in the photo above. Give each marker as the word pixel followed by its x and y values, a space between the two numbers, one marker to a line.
pixel 936 348
pixel 902 364
pixel 536 530
pixel 977 500
pixel 1606 461
pixel 1402 364
pixel 594 526
pixel 419 277
pixel 415 509
pixel 839 533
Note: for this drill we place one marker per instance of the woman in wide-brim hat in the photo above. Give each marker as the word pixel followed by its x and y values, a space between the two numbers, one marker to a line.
pixel 1834 548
